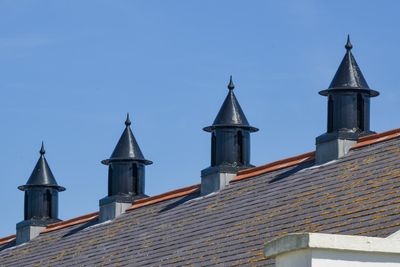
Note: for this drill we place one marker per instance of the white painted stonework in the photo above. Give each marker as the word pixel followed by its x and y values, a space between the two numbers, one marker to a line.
pixel 326 250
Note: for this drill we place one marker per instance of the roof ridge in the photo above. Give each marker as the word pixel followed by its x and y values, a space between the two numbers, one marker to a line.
pixel 5 240
pixel 243 174
pixel 376 138
pixel 283 163
pixel 71 222
pixel 164 196
pixel 137 204
pixel 273 166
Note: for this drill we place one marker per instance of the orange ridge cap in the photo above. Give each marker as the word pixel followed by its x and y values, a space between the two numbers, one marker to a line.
pixel 274 166
pixel 70 222
pixel 165 196
pixel 376 138
pixel 7 239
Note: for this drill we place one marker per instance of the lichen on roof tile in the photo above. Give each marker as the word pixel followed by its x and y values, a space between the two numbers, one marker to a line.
pixel 358 194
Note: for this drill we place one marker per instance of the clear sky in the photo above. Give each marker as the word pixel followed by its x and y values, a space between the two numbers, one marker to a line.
pixel 70 70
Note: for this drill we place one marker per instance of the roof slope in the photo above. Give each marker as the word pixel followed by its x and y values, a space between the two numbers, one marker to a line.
pixel 358 195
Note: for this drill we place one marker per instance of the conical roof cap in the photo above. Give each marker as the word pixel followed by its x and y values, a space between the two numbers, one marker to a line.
pixel 127 148
pixel 230 113
pixel 349 75
pixel 41 175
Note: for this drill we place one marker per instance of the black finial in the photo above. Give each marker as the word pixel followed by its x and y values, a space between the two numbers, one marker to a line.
pixel 42 151
pixel 231 86
pixel 348 45
pixel 127 121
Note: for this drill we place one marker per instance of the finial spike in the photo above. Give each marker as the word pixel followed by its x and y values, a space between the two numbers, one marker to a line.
pixel 127 121
pixel 42 151
pixel 348 45
pixel 231 86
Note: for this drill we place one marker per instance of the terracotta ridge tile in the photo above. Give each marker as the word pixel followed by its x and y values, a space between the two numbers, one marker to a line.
pixel 5 240
pixel 165 196
pixel 71 222
pixel 377 138
pixel 273 166
pixel 377 135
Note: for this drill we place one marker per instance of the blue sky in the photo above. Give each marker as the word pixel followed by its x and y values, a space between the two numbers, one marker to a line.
pixel 70 70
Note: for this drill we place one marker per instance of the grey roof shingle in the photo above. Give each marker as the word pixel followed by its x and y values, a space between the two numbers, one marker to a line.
pixel 358 195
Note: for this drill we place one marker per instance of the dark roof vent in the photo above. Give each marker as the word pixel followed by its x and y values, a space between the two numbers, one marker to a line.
pixel 348 110
pixel 41 200
pixel 230 144
pixel 126 175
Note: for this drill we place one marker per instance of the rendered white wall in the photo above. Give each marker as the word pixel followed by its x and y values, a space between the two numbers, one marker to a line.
pixel 300 258
pixel 330 250
pixel 336 258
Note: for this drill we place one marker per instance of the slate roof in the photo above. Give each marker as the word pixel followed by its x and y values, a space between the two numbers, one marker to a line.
pixel 358 194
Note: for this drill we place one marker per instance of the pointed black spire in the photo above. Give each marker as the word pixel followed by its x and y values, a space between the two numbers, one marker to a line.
pixel 230 113
pixel 126 175
pixel 348 110
pixel 127 148
pixel 41 174
pixel 230 144
pixel 349 75
pixel 41 200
